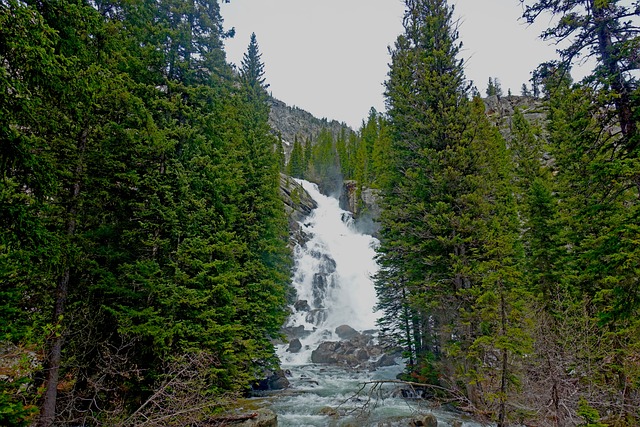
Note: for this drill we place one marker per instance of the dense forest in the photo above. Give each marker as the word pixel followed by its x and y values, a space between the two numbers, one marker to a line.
pixel 144 257
pixel 143 248
pixel 510 267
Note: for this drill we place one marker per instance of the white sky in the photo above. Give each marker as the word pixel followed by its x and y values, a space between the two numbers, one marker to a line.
pixel 330 57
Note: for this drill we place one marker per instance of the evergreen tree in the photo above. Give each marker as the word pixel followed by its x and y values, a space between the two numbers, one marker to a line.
pixel 449 224
pixel 426 116
pixel 599 28
pixel 149 195
pixel 494 88
pixel 252 68
pixel 296 166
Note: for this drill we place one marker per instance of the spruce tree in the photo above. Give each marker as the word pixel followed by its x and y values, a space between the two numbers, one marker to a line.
pixel 252 67
pixel 427 114
pixel 449 250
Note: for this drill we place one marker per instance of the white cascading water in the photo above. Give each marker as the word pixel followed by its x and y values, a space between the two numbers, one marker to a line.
pixel 333 281
pixel 333 272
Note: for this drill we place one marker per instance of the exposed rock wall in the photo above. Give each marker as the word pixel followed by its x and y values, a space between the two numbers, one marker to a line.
pixel 290 122
pixel 500 111
pixel 365 210
pixel 298 204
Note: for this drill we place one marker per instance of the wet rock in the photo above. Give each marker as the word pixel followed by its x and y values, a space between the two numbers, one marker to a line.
pixel 329 411
pixel 456 423
pixel 263 418
pixel 346 332
pixel 361 354
pixel 294 346
pixel 273 381
pixel 298 205
pixel 365 209
pixel 326 352
pixel 302 305
pixel 316 316
pixel 428 420
pixel 295 332
pixel 386 360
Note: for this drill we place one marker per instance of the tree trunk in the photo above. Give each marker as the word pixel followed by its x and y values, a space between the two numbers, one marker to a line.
pixel 622 101
pixel 54 356
pixel 407 328
pixel 505 364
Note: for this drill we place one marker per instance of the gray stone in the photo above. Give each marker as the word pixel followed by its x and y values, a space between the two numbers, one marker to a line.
pixel 386 360
pixel 273 381
pixel 298 205
pixel 294 346
pixel 316 316
pixel 365 210
pixel 428 420
pixel 264 418
pixel 346 332
pixel 325 353
pixel 293 332
pixel 361 354
pixel 302 305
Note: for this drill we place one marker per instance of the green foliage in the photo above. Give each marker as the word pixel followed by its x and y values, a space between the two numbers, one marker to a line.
pixel 140 176
pixel 493 87
pixel 590 414
pixel 297 165
pixel 323 167
pixel 450 222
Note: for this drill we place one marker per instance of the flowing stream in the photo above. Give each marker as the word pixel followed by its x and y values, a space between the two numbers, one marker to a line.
pixel 334 288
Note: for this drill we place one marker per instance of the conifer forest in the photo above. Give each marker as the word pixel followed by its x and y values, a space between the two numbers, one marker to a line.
pixel 145 257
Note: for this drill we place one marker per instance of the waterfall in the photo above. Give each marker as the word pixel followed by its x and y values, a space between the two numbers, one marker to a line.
pixel 333 273
pixel 334 287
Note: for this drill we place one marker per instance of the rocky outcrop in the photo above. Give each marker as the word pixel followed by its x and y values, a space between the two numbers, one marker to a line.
pixel 365 209
pixel 273 380
pixel 298 205
pixel 500 111
pixel 288 122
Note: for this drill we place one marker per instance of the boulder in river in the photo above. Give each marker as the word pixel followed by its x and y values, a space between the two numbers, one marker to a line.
pixel 302 305
pixel 273 381
pixel 326 352
pixel 346 332
pixel 386 360
pixel 294 346
pixel 428 420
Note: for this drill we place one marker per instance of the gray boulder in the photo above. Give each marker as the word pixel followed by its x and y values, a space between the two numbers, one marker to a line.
pixel 263 418
pixel 346 332
pixel 386 360
pixel 302 305
pixel 294 346
pixel 273 381
pixel 428 420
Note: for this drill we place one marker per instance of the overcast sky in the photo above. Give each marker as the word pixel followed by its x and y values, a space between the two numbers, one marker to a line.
pixel 330 57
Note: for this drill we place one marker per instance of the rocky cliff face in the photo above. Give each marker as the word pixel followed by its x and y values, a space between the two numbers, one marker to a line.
pixel 290 122
pixel 298 204
pixel 365 209
pixel 500 111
